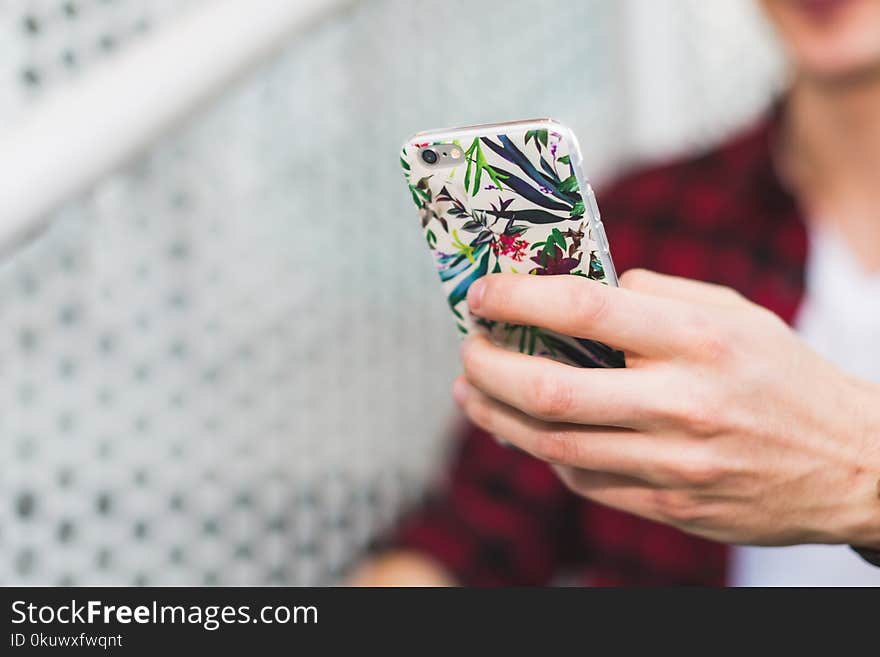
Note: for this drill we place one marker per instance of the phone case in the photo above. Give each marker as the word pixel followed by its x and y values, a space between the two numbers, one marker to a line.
pixel 517 203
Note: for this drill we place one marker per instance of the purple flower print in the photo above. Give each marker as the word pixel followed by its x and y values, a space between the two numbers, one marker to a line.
pixel 553 263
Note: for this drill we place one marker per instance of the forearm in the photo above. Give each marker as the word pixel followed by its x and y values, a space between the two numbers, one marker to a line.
pixel 401 568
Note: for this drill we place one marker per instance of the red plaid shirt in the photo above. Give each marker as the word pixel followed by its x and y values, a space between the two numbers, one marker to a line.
pixel 502 517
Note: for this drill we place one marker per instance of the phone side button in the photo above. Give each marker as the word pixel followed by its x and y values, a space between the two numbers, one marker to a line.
pixel 601 237
pixel 591 201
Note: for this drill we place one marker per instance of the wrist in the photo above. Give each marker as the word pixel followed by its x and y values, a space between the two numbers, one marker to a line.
pixel 864 533
pixel 867 538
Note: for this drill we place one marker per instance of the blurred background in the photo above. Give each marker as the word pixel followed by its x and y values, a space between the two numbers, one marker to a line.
pixel 224 357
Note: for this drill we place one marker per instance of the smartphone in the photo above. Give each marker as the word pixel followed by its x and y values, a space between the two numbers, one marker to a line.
pixel 510 197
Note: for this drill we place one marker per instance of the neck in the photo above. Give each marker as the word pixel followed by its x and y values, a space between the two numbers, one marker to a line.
pixel 832 156
pixel 835 128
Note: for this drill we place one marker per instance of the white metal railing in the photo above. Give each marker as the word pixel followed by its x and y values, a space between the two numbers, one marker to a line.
pixel 75 136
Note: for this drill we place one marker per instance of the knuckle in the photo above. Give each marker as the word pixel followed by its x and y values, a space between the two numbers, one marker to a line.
pixel 556 448
pixel 733 295
pixel 550 398
pixel 677 507
pixel 470 358
pixel 589 304
pixel 697 414
pixel 481 414
pixel 700 472
pixel 770 319
pixel 713 348
pixel 635 279
pixel 703 418
pixel 496 294
pixel 723 293
pixel 708 339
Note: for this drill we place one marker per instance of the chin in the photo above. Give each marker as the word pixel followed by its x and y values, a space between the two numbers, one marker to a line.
pixel 829 40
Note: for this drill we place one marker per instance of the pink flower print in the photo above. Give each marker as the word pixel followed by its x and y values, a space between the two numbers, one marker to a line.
pixel 510 245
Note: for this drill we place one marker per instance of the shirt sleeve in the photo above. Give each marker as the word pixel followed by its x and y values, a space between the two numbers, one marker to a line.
pixel 871 556
pixel 499 518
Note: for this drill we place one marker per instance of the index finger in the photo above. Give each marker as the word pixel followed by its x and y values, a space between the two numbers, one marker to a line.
pixel 576 306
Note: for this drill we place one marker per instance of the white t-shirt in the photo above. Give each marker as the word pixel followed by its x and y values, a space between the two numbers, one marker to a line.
pixel 840 318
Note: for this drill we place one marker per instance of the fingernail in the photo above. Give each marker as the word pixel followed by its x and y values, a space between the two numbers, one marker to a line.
pixel 460 391
pixel 475 294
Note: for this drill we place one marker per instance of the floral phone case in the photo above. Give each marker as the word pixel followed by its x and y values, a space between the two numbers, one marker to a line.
pixel 516 201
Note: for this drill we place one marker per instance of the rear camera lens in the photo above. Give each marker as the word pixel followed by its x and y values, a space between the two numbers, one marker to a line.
pixel 429 156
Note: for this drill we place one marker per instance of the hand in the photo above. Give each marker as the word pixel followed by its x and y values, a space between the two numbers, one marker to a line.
pixel 724 424
pixel 400 568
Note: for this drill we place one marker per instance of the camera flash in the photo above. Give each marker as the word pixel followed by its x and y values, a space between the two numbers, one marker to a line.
pixel 455 152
